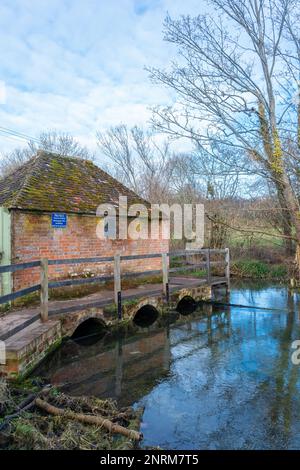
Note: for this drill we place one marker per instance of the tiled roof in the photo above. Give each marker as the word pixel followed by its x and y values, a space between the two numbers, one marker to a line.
pixel 50 182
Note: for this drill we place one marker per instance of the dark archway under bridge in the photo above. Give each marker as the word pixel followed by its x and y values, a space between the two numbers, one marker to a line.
pixel 31 333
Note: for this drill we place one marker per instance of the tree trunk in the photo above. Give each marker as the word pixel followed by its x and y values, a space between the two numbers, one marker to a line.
pixel 294 211
pixel 275 166
pixel 288 243
pixel 286 224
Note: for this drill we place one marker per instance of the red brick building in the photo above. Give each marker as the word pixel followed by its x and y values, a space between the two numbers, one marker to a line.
pixel 49 211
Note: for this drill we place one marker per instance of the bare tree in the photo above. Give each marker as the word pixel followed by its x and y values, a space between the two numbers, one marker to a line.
pixel 219 172
pixel 51 141
pixel 10 161
pixel 234 88
pixel 139 160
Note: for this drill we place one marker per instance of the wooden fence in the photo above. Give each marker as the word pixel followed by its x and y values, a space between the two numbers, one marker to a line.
pixel 165 271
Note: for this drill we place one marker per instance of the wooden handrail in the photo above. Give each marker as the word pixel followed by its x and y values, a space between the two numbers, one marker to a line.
pixel 4 299
pixel 165 270
pixel 102 259
pixel 19 267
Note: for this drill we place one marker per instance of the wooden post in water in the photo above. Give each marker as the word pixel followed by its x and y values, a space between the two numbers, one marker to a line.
pixel 165 272
pixel 44 289
pixel 117 279
pixel 227 268
pixel 208 265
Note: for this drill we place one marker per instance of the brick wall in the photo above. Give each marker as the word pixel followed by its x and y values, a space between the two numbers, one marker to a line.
pixel 34 238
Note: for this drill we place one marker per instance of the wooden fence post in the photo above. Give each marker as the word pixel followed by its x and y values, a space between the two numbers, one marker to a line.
pixel 227 267
pixel 165 272
pixel 117 280
pixel 44 289
pixel 208 266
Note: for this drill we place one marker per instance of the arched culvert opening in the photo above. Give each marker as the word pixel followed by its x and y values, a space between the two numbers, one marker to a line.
pixel 186 305
pixel 145 316
pixel 89 330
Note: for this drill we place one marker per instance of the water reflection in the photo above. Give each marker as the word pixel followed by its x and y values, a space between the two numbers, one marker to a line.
pixel 219 378
pixel 127 368
pixel 240 392
pixel 124 370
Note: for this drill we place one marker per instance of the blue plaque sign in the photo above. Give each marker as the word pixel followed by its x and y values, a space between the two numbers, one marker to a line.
pixel 59 220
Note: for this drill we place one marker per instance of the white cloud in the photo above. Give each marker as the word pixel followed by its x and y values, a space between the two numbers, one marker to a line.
pixel 78 65
pixel 2 92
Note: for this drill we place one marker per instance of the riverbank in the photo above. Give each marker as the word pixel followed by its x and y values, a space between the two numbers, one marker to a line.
pixel 250 269
pixel 84 423
pixel 257 269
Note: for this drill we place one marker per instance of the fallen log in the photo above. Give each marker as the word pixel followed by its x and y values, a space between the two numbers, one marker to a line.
pixel 89 419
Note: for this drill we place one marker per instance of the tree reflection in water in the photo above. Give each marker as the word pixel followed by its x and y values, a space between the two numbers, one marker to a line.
pixel 218 378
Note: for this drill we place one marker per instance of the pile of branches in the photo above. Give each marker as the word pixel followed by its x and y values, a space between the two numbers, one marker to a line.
pixel 45 418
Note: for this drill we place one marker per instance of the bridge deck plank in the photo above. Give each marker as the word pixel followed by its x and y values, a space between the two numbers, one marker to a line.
pixel 15 321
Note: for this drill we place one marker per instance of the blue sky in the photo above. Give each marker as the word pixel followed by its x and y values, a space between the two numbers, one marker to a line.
pixel 78 65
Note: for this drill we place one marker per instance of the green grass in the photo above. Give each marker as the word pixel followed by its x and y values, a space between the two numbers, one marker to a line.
pixel 279 271
pixel 258 270
pixel 237 239
pixel 201 273
pixel 176 261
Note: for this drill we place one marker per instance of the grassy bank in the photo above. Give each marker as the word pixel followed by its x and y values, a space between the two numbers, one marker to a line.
pixel 256 269
pixel 29 427
pixel 246 268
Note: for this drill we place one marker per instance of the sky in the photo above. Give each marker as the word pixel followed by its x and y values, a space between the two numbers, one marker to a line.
pixel 77 66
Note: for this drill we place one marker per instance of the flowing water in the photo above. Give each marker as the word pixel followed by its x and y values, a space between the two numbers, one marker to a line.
pixel 219 378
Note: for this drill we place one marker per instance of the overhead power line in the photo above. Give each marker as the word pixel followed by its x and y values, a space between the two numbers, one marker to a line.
pixel 10 137
pixel 18 135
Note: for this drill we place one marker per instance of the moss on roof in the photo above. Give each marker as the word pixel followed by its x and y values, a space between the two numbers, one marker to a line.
pixel 50 182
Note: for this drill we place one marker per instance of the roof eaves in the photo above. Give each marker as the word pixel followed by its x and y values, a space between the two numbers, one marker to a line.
pixel 18 196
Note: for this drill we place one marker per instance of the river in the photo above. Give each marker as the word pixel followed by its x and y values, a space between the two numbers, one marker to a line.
pixel 218 378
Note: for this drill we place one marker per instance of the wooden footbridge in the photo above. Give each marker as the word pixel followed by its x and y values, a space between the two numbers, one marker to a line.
pixel 28 334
